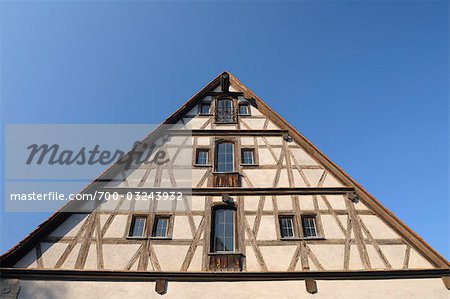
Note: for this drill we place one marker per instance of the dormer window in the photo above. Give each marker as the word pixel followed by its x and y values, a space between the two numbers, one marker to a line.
pixel 225 111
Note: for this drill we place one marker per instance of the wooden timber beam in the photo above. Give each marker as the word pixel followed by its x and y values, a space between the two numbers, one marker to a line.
pixel 237 190
pixel 103 275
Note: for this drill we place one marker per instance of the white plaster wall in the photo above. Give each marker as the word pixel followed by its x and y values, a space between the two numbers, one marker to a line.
pixel 368 289
pixel 117 227
pixel 70 227
pixel 378 229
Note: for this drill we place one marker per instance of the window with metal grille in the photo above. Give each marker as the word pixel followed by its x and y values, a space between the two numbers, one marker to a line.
pixel 225 157
pixel 160 227
pixel 223 230
pixel 248 157
pixel 202 157
pixel 137 226
pixel 224 111
pixel 287 227
pixel 309 226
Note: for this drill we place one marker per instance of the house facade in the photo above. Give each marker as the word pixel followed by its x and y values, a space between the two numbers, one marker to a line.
pixel 266 215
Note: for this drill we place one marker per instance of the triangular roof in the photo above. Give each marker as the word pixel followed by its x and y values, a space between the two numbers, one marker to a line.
pixel 13 255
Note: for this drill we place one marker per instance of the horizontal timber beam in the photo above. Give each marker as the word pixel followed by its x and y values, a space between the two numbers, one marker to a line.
pixel 104 275
pixel 226 132
pixel 237 190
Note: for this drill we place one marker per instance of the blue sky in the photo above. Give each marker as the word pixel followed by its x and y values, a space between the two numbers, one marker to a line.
pixel 366 82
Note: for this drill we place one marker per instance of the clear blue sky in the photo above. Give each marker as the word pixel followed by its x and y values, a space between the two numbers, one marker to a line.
pixel 367 81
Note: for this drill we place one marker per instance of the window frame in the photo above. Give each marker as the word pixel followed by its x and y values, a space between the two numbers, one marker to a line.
pixel 132 224
pixel 248 109
pixel 294 225
pixel 255 156
pixel 216 156
pixel 214 209
pixel 200 112
pixel 233 115
pixel 316 226
pixel 208 158
pixel 169 227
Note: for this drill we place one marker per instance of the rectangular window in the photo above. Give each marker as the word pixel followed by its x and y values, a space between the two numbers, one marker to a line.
pixel 224 111
pixel 225 157
pixel 202 157
pixel 137 227
pixel 248 157
pixel 223 232
pixel 205 109
pixel 161 227
pixel 309 226
pixel 287 227
pixel 244 109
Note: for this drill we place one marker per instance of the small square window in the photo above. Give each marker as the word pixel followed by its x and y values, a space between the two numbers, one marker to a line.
pixel 161 227
pixel 309 226
pixel 244 109
pixel 137 226
pixel 287 227
pixel 202 157
pixel 205 109
pixel 248 157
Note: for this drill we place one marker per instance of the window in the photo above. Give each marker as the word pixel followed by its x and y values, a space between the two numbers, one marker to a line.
pixel 287 227
pixel 160 227
pixel 223 232
pixel 202 157
pixel 137 226
pixel 309 226
pixel 205 108
pixel 244 109
pixel 225 157
pixel 224 111
pixel 248 157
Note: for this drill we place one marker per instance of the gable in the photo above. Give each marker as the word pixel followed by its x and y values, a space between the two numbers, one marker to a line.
pixel 360 235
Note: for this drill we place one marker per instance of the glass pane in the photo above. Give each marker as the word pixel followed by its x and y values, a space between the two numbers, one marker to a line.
pixel 224 230
pixel 225 159
pixel 224 111
pixel 309 227
pixel 247 157
pixel 287 228
pixel 205 108
pixel 160 227
pixel 202 158
pixel 137 229
pixel 243 109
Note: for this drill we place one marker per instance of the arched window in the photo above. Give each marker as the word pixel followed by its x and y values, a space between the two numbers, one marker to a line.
pixel 224 111
pixel 223 232
pixel 225 157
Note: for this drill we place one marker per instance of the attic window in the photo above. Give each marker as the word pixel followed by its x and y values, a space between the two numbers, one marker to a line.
pixel 137 226
pixel 287 227
pixel 202 157
pixel 244 109
pixel 161 227
pixel 309 226
pixel 205 109
pixel 248 156
pixel 225 111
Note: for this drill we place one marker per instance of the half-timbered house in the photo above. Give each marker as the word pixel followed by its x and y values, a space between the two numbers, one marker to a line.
pixel 268 215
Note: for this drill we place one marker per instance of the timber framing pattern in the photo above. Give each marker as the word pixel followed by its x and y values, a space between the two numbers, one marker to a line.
pixel 304 264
